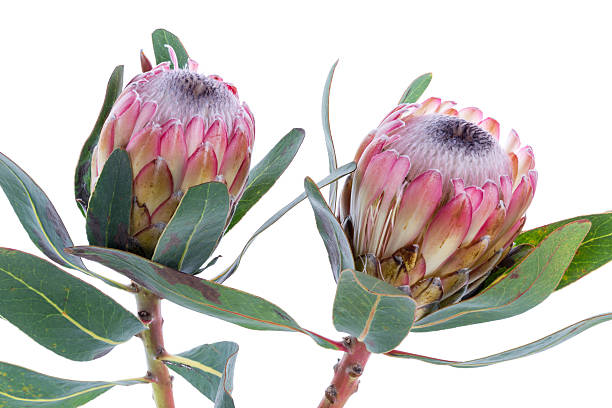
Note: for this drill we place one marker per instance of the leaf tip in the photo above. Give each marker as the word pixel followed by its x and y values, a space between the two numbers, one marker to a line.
pixel 308 183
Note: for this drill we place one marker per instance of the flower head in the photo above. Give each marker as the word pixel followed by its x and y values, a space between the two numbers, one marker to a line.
pixel 436 201
pixel 180 129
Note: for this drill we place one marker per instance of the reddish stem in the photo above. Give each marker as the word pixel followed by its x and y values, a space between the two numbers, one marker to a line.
pixel 149 312
pixel 346 374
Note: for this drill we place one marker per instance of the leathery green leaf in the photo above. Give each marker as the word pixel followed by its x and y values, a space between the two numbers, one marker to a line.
pixel 210 369
pixel 339 173
pixel 82 175
pixel 199 295
pixel 195 228
pixel 40 219
pixel 526 350
pixel 329 142
pixel 373 311
pixel 37 214
pixel 594 252
pixel 263 176
pixel 515 256
pixel 110 207
pixel 525 286
pixel 416 89
pixel 335 239
pixel 59 311
pixel 161 38
pixel 23 388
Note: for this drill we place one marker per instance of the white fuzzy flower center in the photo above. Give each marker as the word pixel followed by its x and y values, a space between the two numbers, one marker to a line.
pixel 455 147
pixel 182 94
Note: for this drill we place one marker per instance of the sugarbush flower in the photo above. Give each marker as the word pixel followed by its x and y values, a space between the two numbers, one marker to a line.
pixel 436 201
pixel 180 129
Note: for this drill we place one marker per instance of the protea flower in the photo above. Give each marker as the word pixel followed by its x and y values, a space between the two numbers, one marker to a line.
pixel 180 129
pixel 436 202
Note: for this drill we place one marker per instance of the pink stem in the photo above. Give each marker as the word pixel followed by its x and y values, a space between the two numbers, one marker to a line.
pixel 346 374
pixel 149 312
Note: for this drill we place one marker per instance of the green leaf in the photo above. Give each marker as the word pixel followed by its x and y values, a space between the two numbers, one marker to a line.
pixel 210 369
pixel 210 263
pixel 514 257
pixel 375 312
pixel 416 89
pixel 335 239
pixel 82 176
pixel 110 207
pixel 161 38
pixel 528 349
pixel 59 311
pixel 23 388
pixel 195 228
pixel 329 142
pixel 525 286
pixel 338 173
pixel 594 252
pixel 197 294
pixel 36 213
pixel 263 176
pixel 40 219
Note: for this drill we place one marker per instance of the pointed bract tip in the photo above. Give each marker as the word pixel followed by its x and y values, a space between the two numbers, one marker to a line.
pixel 145 63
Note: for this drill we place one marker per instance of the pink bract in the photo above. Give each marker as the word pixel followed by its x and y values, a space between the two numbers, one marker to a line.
pixel 436 201
pixel 180 129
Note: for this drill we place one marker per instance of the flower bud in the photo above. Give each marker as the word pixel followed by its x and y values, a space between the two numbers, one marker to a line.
pixel 180 129
pixel 436 202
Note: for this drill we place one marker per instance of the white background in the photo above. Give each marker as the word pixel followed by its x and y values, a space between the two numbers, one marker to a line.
pixel 542 68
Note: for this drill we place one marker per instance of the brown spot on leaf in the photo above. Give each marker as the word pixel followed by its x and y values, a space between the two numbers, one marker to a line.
pixel 171 276
pixel 53 217
pixel 121 236
pixel 82 192
pixel 173 242
pixel 174 277
pixel 282 315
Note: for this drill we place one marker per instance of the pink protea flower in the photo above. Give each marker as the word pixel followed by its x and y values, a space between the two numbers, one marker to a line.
pixel 436 202
pixel 180 129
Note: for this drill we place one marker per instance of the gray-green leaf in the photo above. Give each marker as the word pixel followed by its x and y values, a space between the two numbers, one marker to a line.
pixel 161 38
pixel 60 312
pixel 339 173
pixel 263 176
pixel 110 207
pixel 373 311
pixel 210 369
pixel 335 239
pixel 82 175
pixel 23 388
pixel 523 287
pixel 416 89
pixel 37 214
pixel 195 228
pixel 594 251
pixel 199 295
pixel 40 219
pixel 528 349
pixel 329 142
